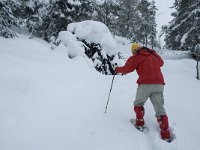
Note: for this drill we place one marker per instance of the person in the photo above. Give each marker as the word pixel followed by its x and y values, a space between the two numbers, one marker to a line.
pixel 147 63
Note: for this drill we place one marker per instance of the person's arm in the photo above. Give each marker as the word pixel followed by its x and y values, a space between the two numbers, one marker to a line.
pixel 129 66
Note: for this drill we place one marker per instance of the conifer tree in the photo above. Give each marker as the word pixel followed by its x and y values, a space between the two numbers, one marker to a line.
pixel 30 12
pixel 184 30
pixel 56 18
pixel 7 19
pixel 147 29
pixel 83 11
pixel 127 19
pixel 153 32
pixel 102 61
pixel 108 13
pixel 144 28
pixel 196 54
pixel 59 13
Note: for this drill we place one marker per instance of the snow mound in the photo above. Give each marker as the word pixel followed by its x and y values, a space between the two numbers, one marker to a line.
pixel 94 32
pixel 74 47
pixel 93 41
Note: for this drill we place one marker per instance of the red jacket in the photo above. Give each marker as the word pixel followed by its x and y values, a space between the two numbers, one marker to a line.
pixel 147 65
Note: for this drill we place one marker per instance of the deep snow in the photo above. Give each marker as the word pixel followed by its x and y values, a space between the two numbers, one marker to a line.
pixel 51 102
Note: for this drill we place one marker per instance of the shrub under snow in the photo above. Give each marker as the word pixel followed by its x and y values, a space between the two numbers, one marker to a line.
pixel 91 39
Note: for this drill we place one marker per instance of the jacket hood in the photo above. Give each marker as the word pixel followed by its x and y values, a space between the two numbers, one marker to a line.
pixel 144 52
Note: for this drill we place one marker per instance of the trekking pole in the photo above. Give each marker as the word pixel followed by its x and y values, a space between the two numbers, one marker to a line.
pixel 109 94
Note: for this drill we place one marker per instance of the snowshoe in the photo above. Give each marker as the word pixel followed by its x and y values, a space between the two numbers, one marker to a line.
pixel 139 128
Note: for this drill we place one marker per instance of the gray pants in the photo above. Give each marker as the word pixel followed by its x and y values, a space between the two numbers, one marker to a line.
pixel 155 93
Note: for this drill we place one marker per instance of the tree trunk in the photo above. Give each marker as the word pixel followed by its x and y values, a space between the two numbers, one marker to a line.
pixel 197 67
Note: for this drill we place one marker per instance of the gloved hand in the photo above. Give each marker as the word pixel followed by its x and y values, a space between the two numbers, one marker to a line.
pixel 114 67
pixel 117 71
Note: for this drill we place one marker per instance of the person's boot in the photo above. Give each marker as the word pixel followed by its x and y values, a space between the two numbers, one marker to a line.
pixel 139 111
pixel 164 126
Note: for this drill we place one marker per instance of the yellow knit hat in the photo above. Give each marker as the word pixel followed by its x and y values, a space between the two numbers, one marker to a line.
pixel 134 47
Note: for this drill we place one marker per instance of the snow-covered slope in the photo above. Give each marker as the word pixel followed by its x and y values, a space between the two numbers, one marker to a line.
pixel 50 102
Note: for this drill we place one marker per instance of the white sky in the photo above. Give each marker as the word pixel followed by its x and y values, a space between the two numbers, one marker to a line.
pixel 164 12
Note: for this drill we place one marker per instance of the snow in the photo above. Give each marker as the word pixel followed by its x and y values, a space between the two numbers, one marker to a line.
pixel 184 37
pixel 74 2
pixel 74 47
pixel 95 32
pixel 80 33
pixel 51 102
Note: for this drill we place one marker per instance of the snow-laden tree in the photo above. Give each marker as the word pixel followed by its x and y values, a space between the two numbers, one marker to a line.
pixel 84 10
pixel 196 55
pixel 59 13
pixel 91 40
pixel 30 12
pixel 184 30
pixel 102 61
pixel 108 13
pixel 47 19
pixel 128 22
pixel 144 28
pixel 136 21
pixel 55 19
pixel 7 19
pixel 146 33
pixel 152 25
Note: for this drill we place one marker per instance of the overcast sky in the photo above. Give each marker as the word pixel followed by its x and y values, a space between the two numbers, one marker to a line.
pixel 164 12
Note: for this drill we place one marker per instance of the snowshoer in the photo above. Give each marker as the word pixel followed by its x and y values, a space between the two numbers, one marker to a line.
pixel 147 63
